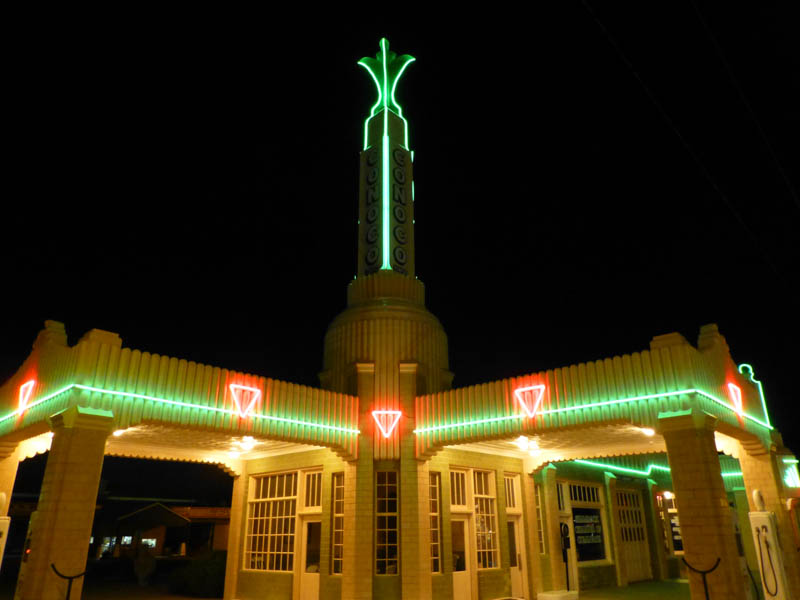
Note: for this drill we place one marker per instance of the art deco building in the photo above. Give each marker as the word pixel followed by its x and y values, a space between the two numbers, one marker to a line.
pixel 387 483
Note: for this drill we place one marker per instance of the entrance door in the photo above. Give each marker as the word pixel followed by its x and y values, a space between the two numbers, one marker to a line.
pixel 516 554
pixel 633 532
pixel 462 578
pixel 309 564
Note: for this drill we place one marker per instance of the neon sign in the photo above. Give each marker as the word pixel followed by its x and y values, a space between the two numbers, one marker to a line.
pixel 386 420
pixel 238 393
pixel 569 409
pixel 650 468
pixel 25 391
pixel 224 411
pixel 532 392
pixel 386 69
pixel 735 394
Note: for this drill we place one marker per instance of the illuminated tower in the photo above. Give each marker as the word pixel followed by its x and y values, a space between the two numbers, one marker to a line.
pixel 386 321
pixel 387 349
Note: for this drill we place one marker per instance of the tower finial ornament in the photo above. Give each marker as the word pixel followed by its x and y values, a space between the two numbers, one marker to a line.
pixel 386 213
pixel 386 69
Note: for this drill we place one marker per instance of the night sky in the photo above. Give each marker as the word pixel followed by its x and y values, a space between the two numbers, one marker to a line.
pixel 586 178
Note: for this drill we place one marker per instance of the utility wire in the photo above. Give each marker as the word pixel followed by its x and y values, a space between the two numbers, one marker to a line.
pixel 743 98
pixel 663 113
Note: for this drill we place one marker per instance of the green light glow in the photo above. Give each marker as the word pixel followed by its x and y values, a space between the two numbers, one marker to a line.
pixel 750 374
pixel 790 461
pixel 553 411
pixel 792 476
pixel 386 69
pixel 387 263
pixel 224 411
pixel 650 468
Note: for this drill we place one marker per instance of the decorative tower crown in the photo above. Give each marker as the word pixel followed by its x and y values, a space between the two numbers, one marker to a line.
pixel 386 211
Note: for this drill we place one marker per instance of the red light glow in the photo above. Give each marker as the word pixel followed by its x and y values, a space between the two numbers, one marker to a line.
pixel 530 398
pixel 245 398
pixel 386 420
pixel 735 394
pixel 25 391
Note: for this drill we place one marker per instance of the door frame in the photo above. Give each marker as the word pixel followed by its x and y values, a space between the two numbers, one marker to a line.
pixel 471 555
pixel 300 550
pixel 522 557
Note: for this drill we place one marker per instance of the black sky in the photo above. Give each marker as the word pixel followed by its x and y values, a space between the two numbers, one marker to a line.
pixel 190 182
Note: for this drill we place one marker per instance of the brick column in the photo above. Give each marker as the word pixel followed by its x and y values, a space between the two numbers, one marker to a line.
pixel 9 461
pixel 415 539
pixel 761 470
pixel 358 564
pixel 234 559
pixel 66 504
pixel 616 538
pixel 706 521
pixel 553 529
pixel 531 533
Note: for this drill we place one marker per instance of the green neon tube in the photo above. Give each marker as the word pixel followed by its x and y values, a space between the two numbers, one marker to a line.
pixel 553 411
pixel 386 69
pixel 650 468
pixel 751 375
pixel 225 411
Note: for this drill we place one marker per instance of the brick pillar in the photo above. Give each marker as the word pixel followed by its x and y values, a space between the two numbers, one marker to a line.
pixel 9 461
pixel 761 470
pixel 234 559
pixel 553 529
pixel 66 504
pixel 531 534
pixel 616 538
pixel 415 539
pixel 359 519
pixel 706 522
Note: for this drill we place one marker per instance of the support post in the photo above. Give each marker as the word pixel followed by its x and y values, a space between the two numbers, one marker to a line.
pixel 557 572
pixel 761 470
pixel 234 560
pixel 67 503
pixel 706 520
pixel 359 518
pixel 415 540
pixel 613 518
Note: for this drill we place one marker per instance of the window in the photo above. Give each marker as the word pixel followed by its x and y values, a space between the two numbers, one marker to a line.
pixel 337 529
pixel 511 491
pixel 271 515
pixel 458 488
pixel 386 545
pixel 485 519
pixel 587 521
pixel 435 514
pixel 539 519
pixel 314 489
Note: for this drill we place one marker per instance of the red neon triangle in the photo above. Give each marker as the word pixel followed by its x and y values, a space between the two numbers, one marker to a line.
pixel 239 393
pixel 386 420
pixel 735 394
pixel 530 398
pixel 25 391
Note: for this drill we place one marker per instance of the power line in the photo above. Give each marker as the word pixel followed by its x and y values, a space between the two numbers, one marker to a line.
pixel 743 98
pixel 668 120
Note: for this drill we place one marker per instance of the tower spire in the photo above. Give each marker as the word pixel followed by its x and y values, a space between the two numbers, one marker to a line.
pixel 386 212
